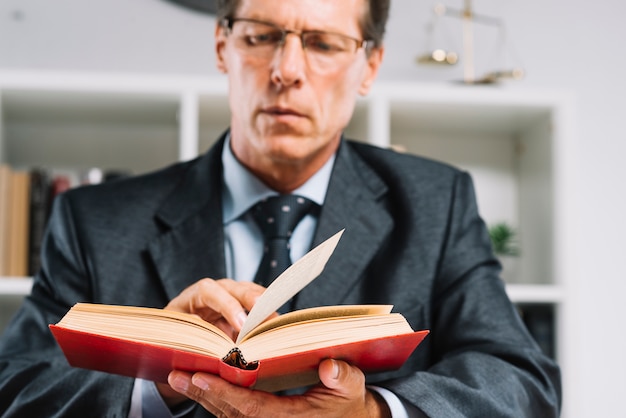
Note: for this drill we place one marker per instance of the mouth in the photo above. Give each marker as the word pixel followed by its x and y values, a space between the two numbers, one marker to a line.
pixel 278 111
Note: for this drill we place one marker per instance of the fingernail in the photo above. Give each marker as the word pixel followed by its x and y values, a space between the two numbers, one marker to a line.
pixel 180 383
pixel 335 369
pixel 241 318
pixel 200 382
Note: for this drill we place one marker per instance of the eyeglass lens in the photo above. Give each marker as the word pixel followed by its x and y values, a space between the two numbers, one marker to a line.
pixel 322 49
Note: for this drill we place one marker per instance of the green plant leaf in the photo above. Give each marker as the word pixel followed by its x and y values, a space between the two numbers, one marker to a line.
pixel 503 239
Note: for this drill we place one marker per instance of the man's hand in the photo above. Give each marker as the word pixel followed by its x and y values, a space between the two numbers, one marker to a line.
pixel 342 393
pixel 223 302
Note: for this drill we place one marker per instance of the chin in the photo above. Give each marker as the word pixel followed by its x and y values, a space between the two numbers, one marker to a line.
pixel 286 140
pixel 290 152
pixel 293 146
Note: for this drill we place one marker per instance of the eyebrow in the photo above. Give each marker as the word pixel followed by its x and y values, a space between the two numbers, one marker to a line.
pixel 317 29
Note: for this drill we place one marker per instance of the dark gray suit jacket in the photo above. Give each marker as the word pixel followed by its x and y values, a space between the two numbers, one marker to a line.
pixel 413 239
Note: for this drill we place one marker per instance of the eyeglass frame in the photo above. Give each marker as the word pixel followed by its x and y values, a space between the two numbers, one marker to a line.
pixel 228 23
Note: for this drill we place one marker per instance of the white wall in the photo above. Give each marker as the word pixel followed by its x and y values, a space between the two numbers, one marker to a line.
pixel 574 45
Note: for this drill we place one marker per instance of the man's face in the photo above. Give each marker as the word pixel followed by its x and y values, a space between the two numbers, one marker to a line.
pixel 284 110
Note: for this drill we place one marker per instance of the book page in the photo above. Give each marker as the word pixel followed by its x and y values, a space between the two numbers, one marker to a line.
pixel 290 282
pixel 320 333
pixel 318 313
pixel 151 325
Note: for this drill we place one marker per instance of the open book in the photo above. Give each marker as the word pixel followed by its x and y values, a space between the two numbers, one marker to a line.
pixel 280 353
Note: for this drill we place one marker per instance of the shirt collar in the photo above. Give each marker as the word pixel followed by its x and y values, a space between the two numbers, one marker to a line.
pixel 242 189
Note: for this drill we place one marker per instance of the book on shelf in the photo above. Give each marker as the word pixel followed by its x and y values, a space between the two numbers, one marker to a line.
pixel 19 224
pixel 276 354
pixel 26 198
pixel 40 198
pixel 14 221
pixel 5 207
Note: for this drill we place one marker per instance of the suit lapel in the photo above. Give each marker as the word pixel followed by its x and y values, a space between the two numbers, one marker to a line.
pixel 193 245
pixel 353 202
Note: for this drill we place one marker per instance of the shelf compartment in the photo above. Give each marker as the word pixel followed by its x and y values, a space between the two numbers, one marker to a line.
pixel 134 132
pixel 507 148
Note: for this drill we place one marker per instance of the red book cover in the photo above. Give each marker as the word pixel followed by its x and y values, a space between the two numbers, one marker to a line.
pixel 286 350
pixel 154 362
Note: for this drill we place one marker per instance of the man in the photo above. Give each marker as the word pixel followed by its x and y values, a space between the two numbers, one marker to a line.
pixel 413 239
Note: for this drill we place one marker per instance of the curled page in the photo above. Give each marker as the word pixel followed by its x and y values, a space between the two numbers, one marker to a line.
pixel 290 282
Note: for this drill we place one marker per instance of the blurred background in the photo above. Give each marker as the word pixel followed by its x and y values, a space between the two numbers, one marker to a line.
pixel 570 46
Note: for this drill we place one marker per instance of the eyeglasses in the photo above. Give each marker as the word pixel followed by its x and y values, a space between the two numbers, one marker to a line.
pixel 323 50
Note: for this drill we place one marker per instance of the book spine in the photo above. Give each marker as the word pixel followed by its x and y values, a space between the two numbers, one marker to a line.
pixel 18 240
pixel 5 199
pixel 40 197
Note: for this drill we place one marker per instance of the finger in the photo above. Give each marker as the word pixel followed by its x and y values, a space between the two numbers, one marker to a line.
pixel 210 300
pixel 209 294
pixel 223 325
pixel 247 293
pixel 229 399
pixel 181 382
pixel 341 377
pixel 220 397
pixel 230 299
pixel 348 382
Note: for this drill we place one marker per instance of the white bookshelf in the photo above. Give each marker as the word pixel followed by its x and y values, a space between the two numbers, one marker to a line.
pixel 539 293
pixel 15 286
pixel 21 286
pixel 518 145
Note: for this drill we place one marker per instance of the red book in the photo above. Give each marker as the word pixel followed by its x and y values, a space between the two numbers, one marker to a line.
pixel 149 343
pixel 280 353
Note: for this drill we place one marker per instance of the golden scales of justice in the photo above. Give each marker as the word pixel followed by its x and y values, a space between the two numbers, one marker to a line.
pixel 438 54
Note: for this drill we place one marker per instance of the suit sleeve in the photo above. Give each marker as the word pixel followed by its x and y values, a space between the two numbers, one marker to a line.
pixel 483 363
pixel 35 379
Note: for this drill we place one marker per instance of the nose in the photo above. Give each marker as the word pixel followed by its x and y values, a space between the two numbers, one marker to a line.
pixel 288 67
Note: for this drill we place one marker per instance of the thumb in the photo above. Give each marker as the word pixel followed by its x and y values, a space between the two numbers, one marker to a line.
pixel 340 376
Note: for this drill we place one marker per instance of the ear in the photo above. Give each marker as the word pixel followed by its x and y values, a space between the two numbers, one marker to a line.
pixel 374 60
pixel 220 45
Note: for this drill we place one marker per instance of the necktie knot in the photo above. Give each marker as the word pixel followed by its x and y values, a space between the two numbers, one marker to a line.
pixel 277 217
